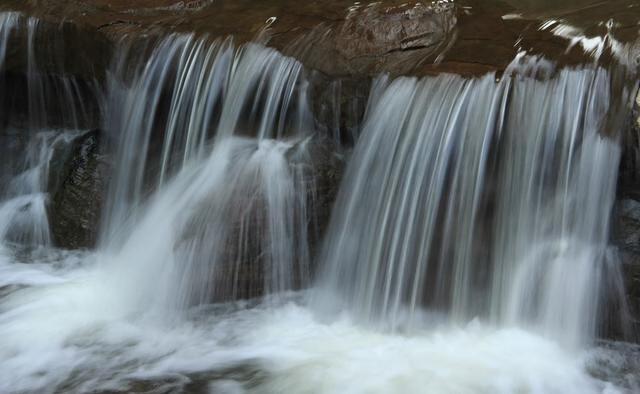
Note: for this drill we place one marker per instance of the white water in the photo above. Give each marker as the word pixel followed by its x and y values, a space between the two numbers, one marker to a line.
pixel 136 316
pixel 72 337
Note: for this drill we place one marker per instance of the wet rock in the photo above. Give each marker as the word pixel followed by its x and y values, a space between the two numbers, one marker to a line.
pixel 326 168
pixel 616 362
pixel 629 177
pixel 43 101
pixel 338 105
pixel 56 46
pixel 76 204
pixel 627 238
pixel 627 218
pixel 341 37
pixel 375 38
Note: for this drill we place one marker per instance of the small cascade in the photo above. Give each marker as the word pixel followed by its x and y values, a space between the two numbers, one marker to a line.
pixel 200 241
pixel 23 213
pixel 479 198
pixel 189 91
pixel 38 113
pixel 220 134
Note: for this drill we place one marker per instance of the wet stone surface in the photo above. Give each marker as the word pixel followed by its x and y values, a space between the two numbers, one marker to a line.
pixel 345 38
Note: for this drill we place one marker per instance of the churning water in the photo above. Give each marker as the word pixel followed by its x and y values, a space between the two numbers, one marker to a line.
pixel 467 252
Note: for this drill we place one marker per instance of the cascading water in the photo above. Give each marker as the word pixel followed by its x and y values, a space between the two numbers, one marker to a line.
pixel 29 146
pixel 23 209
pixel 238 200
pixel 480 200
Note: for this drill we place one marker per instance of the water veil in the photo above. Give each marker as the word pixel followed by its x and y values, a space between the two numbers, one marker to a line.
pixel 480 198
pixel 218 210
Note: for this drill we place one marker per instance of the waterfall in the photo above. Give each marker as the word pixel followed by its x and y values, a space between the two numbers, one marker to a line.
pixel 229 216
pixel 468 250
pixel 479 197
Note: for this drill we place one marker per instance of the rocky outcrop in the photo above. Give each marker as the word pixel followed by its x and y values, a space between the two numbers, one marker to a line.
pixel 76 202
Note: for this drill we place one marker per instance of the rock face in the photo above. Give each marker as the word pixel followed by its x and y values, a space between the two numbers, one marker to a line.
pixel 627 233
pixel 626 230
pixel 76 203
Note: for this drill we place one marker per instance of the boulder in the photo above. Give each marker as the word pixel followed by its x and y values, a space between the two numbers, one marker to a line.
pixel 76 203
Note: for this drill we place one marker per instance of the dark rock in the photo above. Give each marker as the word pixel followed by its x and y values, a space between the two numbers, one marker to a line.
pixel 76 205
pixel 51 75
pixel 56 46
pixel 627 238
pixel 627 219
pixel 338 105
pixel 326 168
pixel 44 101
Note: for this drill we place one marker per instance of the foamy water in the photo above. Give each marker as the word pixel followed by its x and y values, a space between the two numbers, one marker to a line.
pixel 63 329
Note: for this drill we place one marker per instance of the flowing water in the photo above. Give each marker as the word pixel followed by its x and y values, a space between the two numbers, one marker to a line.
pixel 470 195
pixel 468 250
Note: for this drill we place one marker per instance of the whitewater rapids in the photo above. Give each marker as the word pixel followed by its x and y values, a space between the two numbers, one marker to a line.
pixel 63 330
